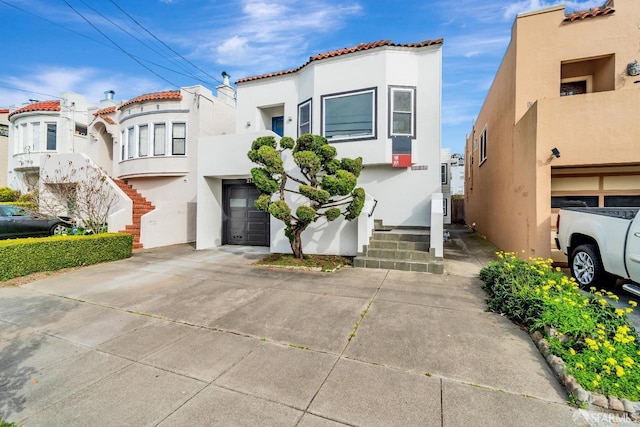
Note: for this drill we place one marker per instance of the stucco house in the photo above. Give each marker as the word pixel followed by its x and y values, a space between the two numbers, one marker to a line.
pixel 380 101
pixel 4 145
pixel 146 145
pixel 559 124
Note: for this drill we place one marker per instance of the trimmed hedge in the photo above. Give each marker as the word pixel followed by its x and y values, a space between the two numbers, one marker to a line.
pixel 19 257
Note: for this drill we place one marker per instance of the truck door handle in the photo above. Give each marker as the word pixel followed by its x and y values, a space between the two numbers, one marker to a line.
pixel 637 234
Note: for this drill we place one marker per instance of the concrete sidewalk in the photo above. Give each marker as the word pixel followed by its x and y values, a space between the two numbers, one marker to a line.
pixel 175 336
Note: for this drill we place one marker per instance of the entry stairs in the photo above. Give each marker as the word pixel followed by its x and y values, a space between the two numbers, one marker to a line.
pixel 140 207
pixel 399 248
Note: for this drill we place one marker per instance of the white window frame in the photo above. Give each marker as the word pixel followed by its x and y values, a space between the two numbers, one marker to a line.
pixel 131 142
pixel 483 145
pixel 123 144
pixel 392 110
pixel 36 136
pixel 46 139
pixel 143 146
pixel 162 143
pixel 173 139
pixel 302 105
pixel 374 112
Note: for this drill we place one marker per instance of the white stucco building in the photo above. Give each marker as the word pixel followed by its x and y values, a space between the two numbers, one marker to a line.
pixel 146 145
pixel 380 101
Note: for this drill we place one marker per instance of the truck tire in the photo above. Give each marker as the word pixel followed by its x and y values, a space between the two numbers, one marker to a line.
pixel 587 268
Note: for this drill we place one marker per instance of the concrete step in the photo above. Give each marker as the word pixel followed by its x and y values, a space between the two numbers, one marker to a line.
pixel 395 254
pixel 399 245
pixel 401 236
pixel 436 267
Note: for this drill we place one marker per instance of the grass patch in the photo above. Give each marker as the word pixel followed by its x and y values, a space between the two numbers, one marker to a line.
pixel 6 424
pixel 311 262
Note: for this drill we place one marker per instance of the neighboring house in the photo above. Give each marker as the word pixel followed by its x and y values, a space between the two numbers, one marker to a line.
pixel 44 128
pixel 4 146
pixel 559 124
pixel 445 179
pixel 380 101
pixel 147 145
pixel 457 174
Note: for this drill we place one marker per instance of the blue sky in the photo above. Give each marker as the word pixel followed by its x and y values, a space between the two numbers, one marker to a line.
pixel 90 46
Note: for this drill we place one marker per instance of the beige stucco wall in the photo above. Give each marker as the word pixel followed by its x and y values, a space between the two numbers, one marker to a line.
pixel 508 197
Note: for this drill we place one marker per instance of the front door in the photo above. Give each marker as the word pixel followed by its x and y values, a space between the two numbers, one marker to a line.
pixel 277 125
pixel 243 223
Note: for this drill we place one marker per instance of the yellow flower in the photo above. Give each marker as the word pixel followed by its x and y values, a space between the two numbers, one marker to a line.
pixel 611 361
pixel 579 365
pixel 629 310
pixel 595 383
pixel 572 351
pixel 627 361
pixel 619 312
pixel 585 316
pixel 632 303
pixel 619 371
pixel 598 377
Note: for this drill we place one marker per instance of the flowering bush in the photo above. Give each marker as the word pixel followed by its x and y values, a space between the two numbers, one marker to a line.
pixel 596 341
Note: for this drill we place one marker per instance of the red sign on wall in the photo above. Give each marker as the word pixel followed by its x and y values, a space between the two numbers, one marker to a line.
pixel 401 160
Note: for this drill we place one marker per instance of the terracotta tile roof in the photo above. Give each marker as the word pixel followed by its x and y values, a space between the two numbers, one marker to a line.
pixel 340 52
pixel 3 111
pixel 38 106
pixel 170 94
pixel 104 114
pixel 581 15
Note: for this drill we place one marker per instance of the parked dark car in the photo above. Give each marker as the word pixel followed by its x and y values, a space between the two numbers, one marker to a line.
pixel 16 221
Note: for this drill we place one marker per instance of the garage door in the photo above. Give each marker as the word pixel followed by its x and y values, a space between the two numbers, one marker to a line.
pixel 243 223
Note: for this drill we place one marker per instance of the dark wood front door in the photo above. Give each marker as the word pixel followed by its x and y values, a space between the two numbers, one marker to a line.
pixel 243 223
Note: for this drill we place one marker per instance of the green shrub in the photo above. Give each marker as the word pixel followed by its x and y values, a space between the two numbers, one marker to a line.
pixel 596 341
pixel 19 257
pixel 9 195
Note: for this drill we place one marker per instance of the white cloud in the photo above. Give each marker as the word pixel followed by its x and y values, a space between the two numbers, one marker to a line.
pixel 273 35
pixel 48 82
pixel 530 5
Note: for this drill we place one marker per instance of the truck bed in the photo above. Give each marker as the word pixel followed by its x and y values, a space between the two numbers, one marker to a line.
pixel 622 213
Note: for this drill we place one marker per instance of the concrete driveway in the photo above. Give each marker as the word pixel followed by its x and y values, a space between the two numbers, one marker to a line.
pixel 175 336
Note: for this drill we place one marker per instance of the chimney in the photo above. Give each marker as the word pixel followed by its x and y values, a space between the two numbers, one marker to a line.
pixel 108 95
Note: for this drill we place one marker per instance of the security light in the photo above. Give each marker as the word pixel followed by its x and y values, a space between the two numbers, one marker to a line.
pixel 555 152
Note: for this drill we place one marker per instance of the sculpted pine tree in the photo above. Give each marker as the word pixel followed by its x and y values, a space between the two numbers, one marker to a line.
pixel 327 184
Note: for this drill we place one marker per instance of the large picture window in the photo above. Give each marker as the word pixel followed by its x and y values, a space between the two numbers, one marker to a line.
pixel 179 139
pixel 349 115
pixel 402 111
pixel 304 117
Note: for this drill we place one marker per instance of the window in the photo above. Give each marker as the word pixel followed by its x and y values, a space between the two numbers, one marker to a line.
pixel 143 141
pixel 573 88
pixel 178 139
pixel 349 116
pixel 159 138
pixel 4 130
pixel 402 111
pixel 569 201
pixel 122 145
pixel 81 129
pixel 622 201
pixel 443 173
pixel 36 137
pixel 51 136
pixel 304 117
pixel 483 145
pixel 444 207
pixel 25 138
pixel 131 143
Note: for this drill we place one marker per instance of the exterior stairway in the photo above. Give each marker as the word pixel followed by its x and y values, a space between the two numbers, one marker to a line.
pixel 140 207
pixel 399 249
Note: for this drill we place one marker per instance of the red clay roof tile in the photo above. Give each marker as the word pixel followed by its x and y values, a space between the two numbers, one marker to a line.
pixel 340 52
pixel 104 114
pixel 581 15
pixel 170 94
pixel 38 106
pixel 3 111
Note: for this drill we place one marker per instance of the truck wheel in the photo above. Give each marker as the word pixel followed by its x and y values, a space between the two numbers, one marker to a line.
pixel 587 268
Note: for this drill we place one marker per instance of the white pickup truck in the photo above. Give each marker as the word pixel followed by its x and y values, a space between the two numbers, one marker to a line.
pixel 602 244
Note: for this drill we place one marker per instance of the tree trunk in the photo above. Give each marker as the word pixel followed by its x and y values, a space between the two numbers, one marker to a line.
pixel 296 243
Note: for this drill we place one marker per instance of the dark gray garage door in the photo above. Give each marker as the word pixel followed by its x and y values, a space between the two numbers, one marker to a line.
pixel 243 223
